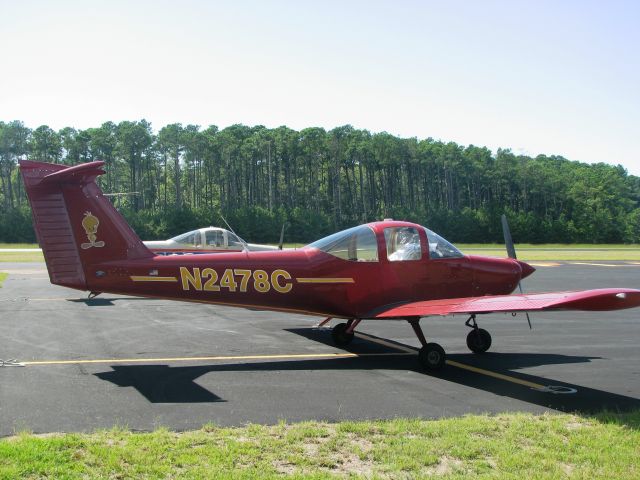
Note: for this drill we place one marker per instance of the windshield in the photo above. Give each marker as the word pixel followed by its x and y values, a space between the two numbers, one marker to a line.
pixel 439 247
pixel 357 244
pixel 234 241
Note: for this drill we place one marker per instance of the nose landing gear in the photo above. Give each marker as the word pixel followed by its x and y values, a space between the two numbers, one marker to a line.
pixel 478 339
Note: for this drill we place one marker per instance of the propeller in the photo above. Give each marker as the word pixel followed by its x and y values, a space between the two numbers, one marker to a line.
pixel 511 251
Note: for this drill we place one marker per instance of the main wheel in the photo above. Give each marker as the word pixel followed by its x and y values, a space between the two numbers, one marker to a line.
pixel 478 340
pixel 432 357
pixel 340 335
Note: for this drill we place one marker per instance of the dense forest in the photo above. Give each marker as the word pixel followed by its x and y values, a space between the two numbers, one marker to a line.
pixel 319 181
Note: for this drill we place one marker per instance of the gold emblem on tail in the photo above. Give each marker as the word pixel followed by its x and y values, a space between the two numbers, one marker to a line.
pixel 90 224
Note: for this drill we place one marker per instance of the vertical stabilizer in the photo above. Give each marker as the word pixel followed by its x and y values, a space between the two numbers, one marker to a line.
pixel 75 223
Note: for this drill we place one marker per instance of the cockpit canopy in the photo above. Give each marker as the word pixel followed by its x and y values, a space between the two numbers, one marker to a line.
pixel 211 237
pixel 357 244
pixel 403 243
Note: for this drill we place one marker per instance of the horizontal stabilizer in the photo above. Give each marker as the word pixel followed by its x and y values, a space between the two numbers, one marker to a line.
pixel 589 300
pixel 77 174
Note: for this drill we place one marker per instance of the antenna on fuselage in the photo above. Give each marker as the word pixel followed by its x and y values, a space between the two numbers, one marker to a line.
pixel 281 238
pixel 244 244
pixel 511 251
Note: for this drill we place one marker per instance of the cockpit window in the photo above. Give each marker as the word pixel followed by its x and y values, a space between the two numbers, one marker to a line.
pixel 357 244
pixel 439 247
pixel 403 243
pixel 214 238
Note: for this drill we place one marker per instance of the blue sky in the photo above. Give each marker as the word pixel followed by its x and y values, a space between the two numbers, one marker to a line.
pixel 537 77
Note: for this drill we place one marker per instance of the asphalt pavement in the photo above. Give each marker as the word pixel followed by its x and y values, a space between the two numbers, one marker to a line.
pixel 145 363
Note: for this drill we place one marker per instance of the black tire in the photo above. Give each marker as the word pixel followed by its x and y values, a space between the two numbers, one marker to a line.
pixel 340 337
pixel 478 340
pixel 432 357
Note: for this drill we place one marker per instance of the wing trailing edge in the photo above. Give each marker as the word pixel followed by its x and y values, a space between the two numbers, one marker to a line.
pixel 588 300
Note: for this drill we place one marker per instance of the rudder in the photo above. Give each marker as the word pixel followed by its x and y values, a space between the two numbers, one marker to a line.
pixel 75 223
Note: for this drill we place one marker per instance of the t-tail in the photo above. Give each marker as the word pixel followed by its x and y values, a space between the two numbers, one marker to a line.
pixel 76 225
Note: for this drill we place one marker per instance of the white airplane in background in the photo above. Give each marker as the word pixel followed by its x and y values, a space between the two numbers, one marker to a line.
pixel 205 240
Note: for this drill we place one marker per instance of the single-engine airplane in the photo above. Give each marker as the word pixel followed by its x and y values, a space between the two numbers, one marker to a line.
pixel 205 240
pixel 387 270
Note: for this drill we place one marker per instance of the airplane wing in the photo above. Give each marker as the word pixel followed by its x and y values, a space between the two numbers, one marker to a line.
pixel 594 300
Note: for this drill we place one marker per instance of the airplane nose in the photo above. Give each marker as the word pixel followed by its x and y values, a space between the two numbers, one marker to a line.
pixel 526 269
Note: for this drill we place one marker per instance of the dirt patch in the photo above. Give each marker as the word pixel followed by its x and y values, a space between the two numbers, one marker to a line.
pixel 446 466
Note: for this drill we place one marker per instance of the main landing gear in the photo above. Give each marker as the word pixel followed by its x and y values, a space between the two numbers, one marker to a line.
pixel 342 333
pixel 432 356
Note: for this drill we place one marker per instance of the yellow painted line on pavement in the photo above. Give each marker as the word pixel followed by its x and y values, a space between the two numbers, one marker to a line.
pixel 453 363
pixel 385 343
pixel 52 299
pixel 301 356
pixel 209 359
pixel 544 264
pixel 499 376
pixel 401 350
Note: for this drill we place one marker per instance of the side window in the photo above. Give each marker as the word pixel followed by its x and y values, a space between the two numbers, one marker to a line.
pixel 214 238
pixel 196 241
pixel 403 243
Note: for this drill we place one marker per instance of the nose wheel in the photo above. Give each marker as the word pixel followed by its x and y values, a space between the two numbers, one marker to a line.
pixel 478 339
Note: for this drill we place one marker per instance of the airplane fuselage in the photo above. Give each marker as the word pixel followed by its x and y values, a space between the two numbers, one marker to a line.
pixel 305 280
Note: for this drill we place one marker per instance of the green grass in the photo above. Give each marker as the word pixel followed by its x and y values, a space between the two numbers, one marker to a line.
pixel 21 257
pixel 546 246
pixel 502 446
pixel 3 277
pixel 573 252
pixel 19 245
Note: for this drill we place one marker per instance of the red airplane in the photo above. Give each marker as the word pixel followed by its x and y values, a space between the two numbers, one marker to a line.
pixel 387 270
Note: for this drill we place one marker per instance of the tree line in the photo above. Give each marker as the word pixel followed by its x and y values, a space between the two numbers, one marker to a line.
pixel 317 181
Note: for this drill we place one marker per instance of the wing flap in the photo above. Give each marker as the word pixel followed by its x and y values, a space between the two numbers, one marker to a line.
pixel 590 300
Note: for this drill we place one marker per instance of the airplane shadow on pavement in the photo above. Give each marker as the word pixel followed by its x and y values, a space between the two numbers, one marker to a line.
pixel 176 384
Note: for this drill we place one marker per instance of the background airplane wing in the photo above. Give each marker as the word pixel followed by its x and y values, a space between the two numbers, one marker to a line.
pixel 595 300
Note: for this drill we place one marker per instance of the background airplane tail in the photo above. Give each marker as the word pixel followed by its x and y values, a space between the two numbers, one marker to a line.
pixel 75 223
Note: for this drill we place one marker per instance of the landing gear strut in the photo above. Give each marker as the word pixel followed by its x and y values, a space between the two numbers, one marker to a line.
pixel 431 355
pixel 342 333
pixel 478 339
